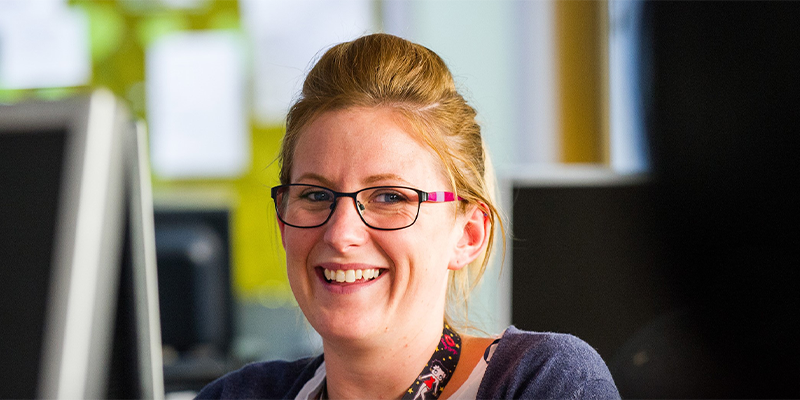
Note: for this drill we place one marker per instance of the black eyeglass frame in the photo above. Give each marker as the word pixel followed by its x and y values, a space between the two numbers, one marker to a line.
pixel 430 197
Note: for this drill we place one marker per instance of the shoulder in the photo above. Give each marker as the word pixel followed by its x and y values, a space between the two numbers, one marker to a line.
pixel 545 365
pixel 271 380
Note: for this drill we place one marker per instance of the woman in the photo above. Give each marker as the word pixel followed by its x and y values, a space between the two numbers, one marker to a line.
pixel 387 220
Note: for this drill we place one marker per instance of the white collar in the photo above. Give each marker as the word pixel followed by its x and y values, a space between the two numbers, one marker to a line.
pixel 313 387
pixel 468 390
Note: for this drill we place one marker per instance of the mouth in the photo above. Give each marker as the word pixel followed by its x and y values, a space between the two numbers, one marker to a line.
pixel 350 275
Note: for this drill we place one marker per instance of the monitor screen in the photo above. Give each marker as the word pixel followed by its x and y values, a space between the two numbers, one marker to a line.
pixel 74 240
pixel 30 172
pixel 586 259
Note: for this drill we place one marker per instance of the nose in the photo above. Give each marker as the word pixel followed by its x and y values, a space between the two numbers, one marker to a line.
pixel 345 229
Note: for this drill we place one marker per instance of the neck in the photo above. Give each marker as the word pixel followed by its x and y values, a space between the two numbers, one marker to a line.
pixel 378 369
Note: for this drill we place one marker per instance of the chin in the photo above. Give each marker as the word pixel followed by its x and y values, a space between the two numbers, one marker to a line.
pixel 347 327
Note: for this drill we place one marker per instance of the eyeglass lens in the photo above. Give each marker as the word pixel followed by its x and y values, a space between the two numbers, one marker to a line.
pixel 380 207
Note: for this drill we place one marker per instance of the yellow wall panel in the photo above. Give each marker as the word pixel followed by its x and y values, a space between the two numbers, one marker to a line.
pixel 581 36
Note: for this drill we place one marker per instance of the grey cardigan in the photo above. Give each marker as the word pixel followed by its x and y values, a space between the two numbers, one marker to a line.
pixel 525 365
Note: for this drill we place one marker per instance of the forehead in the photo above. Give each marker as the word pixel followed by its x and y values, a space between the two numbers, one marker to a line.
pixel 365 146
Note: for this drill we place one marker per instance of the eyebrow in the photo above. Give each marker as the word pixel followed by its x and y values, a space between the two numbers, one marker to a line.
pixel 318 178
pixel 373 179
pixel 385 177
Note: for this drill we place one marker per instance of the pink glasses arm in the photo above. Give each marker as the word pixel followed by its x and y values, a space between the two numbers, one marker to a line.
pixel 442 197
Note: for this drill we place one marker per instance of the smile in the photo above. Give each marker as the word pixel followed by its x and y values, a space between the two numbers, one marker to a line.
pixel 351 275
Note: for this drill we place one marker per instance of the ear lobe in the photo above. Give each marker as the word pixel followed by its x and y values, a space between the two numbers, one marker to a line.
pixel 474 238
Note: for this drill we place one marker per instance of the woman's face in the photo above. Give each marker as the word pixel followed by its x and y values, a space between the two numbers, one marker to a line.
pixel 346 151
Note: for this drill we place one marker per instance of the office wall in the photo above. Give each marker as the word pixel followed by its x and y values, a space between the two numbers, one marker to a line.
pixel 514 60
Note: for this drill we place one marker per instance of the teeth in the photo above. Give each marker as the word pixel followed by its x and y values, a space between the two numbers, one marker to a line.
pixel 351 275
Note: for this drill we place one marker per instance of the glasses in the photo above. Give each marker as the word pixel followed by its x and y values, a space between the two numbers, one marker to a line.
pixel 385 208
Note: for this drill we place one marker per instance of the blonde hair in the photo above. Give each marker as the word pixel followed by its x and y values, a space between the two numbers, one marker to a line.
pixel 382 70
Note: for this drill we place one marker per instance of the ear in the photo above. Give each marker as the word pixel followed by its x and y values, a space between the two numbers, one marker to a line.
pixel 474 237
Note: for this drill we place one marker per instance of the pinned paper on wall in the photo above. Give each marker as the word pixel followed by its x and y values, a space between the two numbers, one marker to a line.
pixel 43 44
pixel 288 35
pixel 14 8
pixel 195 106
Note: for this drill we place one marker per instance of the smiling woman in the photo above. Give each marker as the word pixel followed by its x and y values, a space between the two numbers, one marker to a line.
pixel 387 221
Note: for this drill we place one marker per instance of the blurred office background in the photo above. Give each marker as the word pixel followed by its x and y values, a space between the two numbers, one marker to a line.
pixel 558 89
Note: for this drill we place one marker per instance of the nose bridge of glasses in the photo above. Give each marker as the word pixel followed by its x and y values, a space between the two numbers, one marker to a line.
pixel 338 195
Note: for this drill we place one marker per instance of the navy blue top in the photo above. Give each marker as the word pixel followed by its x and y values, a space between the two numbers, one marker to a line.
pixel 525 365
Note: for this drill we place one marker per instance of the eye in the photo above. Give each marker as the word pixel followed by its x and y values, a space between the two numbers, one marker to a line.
pixel 316 195
pixel 388 196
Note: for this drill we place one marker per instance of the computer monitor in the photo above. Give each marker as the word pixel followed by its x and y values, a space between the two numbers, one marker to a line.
pixel 585 255
pixel 76 237
pixel 195 296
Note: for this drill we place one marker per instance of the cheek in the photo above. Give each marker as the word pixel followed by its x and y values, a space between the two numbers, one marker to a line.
pixel 435 239
pixel 418 248
pixel 297 245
